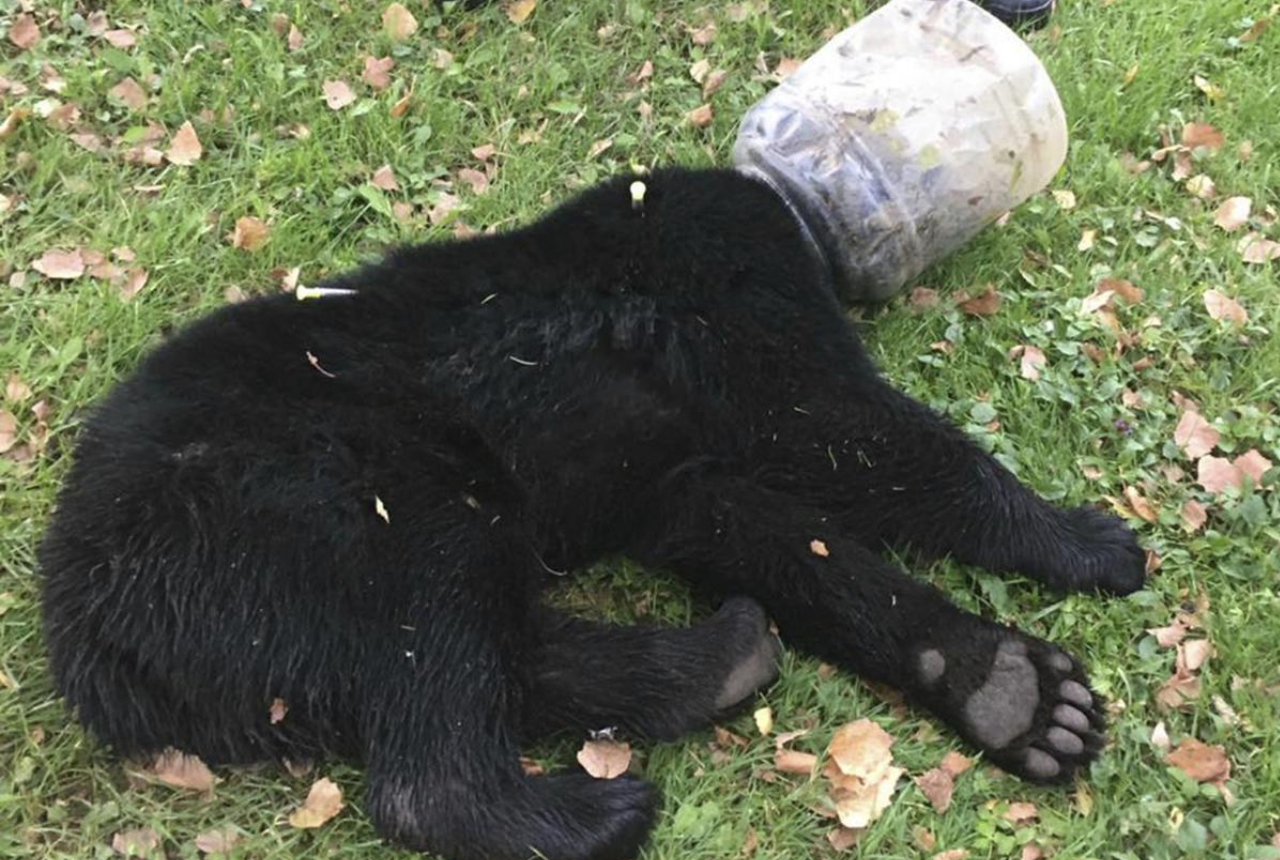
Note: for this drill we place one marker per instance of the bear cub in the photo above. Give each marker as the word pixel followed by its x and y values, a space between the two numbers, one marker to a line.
pixel 353 503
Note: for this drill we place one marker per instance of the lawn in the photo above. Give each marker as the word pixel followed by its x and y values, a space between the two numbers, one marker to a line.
pixel 484 123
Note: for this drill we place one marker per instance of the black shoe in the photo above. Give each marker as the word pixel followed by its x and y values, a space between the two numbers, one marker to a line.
pixel 1019 13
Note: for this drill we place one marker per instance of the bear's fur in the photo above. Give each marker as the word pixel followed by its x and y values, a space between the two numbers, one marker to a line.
pixel 352 503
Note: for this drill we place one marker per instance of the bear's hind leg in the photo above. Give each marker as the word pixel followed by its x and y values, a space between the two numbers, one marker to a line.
pixel 655 682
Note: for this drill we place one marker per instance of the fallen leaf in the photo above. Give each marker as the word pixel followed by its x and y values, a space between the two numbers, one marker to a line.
pixel 794 762
pixel 1168 637
pixel 1200 134
pixel 599 147
pixel 1193 515
pixel 376 72
pixel 1065 199
pixel 1254 249
pixel 1233 213
pixel 605 759
pixel 1202 762
pixel 385 178
pixel 1195 436
pixel 379 507
pixel 750 843
pixel 441 59
pixel 484 152
pixel 294 39
pixel 122 39
pixel 13 120
pixel 130 93
pixel 1195 653
pixel 15 390
pixel 1031 851
pixel 955 763
pixel 1020 813
pixel 1202 186
pixel 1086 239
pixel 1139 504
pixel 398 22
pixel 843 838
pixel 143 843
pixel 1216 474
pixel 764 720
pixel 1032 360
pixel 1221 307
pixel 924 838
pixel 337 94
pixel 8 431
pixel 400 107
pixel 531 767
pixel 713 82
pixel 135 279
pixel 703 35
pixel 219 841
pixel 1160 737
pixel 184 149
pixel 1211 90
pixel 698 71
pixel 478 181
pixel 861 772
pixel 276 713
pixel 249 234
pixel 728 739
pixel 24 32
pixel 984 304
pixel 819 548
pixel 60 265
pixel 937 786
pixel 786 68
pixel 923 297
pixel 323 802
pixel 181 770
pixel 1179 691
pixel 518 11
pixel 1120 287
pixel 953 854
pixel 701 116
pixel 1131 74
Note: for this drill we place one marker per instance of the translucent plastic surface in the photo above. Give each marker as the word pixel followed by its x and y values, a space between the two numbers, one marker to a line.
pixel 904 136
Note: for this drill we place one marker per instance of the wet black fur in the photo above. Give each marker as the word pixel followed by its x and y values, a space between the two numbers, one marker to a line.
pixel 677 384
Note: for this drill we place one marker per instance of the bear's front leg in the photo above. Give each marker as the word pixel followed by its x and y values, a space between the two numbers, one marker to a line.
pixel 1024 702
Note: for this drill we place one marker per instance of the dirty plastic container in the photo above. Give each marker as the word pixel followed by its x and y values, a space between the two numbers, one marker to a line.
pixel 904 136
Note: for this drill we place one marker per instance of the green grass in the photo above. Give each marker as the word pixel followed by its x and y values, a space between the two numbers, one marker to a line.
pixel 63 796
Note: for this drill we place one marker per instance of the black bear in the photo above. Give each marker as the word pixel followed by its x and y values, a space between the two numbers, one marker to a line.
pixel 352 503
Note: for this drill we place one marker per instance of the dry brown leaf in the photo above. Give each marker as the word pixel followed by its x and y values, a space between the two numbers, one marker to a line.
pixel 181 770
pixel 1216 474
pixel 441 59
pixel 704 35
pixel 1202 186
pixel 483 152
pixel 8 431
pixel 605 759
pixel 135 279
pixel 1065 199
pixel 713 82
pixel 1032 359
pixel 599 147
pixel 219 841
pixel 1202 762
pixel 1222 307
pixel 984 304
pixel 530 767
pixel 385 178
pixel 1087 238
pixel 764 720
pixel 276 713
pixel 400 107
pixel 130 93
pixel 142 843
pixel 1195 653
pixel 518 11
pixel 1177 693
pixel 794 762
pixel 376 72
pixel 1256 250
pixel 1021 812
pixel 398 22
pixel 122 39
pixel 24 32
pixel 786 68
pixel 861 772
pixel 923 297
pixel 1139 504
pixel 1120 287
pixel 477 180
pixel 750 843
pixel 184 149
pixel 698 71
pixel 294 39
pixel 819 548
pixel 323 802
pixel 1168 637
pixel 728 739
pixel 1252 465
pixel 15 390
pixel 60 265
pixel 1233 213
pixel 1195 436
pixel 249 234
pixel 955 763
pixel 701 116
pixel 843 838
pixel 1193 515
pixel 953 854
pixel 1201 134
pixel 937 785
pixel 924 838
pixel 337 94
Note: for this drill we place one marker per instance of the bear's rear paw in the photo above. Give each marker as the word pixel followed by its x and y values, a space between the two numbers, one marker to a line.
pixel 1025 703
pixel 1098 553
pixel 755 652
